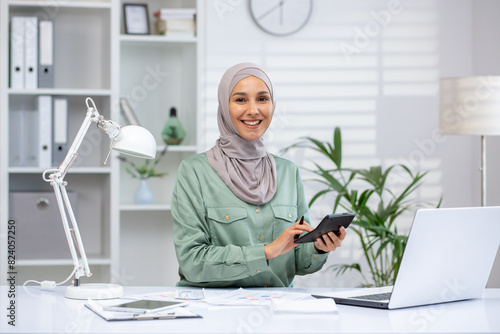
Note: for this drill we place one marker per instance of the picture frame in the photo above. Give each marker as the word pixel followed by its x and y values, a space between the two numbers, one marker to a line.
pixel 136 19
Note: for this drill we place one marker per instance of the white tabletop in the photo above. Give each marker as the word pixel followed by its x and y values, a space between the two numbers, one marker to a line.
pixel 38 311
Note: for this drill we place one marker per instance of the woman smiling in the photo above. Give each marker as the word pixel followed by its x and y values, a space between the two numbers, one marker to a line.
pixel 236 207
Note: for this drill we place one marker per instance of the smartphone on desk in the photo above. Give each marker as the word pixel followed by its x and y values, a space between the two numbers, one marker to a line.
pixel 144 306
pixel 331 222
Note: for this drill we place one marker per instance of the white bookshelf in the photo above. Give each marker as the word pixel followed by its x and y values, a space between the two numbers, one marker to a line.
pixel 141 40
pixel 62 4
pixel 146 230
pixel 95 58
pixel 73 170
pixel 61 91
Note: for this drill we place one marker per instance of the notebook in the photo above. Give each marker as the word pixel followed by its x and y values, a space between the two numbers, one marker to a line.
pixel 448 257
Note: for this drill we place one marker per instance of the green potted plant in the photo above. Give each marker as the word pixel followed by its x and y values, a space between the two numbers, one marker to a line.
pixel 143 195
pixel 365 192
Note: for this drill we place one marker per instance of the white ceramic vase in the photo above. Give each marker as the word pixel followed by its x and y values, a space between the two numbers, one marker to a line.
pixel 143 195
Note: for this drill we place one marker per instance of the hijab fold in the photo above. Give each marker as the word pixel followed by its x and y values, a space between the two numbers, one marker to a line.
pixel 245 166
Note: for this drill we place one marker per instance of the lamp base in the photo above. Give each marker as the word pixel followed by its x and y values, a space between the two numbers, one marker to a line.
pixel 94 291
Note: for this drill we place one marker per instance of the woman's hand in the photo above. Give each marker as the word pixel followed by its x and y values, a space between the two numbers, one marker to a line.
pixel 330 241
pixel 284 243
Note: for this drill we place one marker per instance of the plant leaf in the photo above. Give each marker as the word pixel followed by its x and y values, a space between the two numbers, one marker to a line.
pixel 337 144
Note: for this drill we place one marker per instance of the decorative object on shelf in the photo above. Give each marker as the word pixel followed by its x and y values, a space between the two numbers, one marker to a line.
pixel 365 192
pixel 469 106
pixel 128 113
pixel 136 19
pixel 173 21
pixel 173 133
pixel 279 17
pixel 143 195
pixel 132 140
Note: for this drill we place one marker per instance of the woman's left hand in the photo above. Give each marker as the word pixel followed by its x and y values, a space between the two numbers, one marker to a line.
pixel 330 241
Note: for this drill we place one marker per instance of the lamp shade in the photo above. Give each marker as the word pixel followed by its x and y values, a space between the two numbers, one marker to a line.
pixel 136 141
pixel 470 105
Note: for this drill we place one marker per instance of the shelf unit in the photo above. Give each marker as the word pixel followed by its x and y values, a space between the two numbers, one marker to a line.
pixel 154 73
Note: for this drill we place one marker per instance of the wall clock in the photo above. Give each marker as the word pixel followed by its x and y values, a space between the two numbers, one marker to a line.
pixel 281 17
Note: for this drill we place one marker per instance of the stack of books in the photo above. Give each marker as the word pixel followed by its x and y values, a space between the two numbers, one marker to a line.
pixel 175 21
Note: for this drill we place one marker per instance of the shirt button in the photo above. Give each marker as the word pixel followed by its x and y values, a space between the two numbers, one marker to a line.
pixel 315 257
pixel 258 270
pixel 227 216
pixel 257 210
pixel 290 215
pixel 260 238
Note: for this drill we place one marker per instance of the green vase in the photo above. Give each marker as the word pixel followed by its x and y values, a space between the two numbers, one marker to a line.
pixel 173 133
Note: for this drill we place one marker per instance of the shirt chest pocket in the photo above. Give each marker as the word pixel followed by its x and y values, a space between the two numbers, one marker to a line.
pixel 284 217
pixel 228 225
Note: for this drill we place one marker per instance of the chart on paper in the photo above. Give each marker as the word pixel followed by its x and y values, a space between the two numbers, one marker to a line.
pixel 252 297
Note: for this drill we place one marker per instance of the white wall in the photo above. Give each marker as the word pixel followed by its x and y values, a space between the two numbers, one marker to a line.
pixel 384 96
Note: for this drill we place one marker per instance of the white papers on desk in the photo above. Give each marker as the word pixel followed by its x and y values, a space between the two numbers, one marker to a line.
pixel 280 301
pixel 252 297
pixel 174 295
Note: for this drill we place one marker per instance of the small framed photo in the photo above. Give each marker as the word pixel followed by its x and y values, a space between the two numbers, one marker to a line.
pixel 136 19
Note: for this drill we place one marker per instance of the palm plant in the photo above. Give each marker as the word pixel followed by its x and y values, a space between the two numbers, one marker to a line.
pixel 365 192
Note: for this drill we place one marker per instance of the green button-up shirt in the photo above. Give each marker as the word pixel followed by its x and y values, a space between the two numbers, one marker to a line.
pixel 219 239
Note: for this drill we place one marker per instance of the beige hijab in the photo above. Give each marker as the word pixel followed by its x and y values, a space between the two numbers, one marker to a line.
pixel 244 165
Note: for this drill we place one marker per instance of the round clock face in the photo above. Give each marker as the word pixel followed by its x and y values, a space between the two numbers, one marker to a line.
pixel 281 17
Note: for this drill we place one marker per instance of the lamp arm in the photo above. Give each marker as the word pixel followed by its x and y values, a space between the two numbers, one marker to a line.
pixel 56 179
pixel 91 116
pixel 72 233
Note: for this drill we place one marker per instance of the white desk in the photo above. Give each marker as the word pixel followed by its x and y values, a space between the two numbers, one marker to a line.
pixel 49 312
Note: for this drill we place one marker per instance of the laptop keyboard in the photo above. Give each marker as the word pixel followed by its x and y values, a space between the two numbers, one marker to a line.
pixel 377 296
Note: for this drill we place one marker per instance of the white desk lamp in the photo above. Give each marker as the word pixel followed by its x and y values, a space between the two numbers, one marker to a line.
pixel 471 106
pixel 132 140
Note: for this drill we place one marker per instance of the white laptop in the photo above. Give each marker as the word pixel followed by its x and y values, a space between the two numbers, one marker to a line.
pixel 448 257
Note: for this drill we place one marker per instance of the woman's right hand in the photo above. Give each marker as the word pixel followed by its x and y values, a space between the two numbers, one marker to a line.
pixel 284 243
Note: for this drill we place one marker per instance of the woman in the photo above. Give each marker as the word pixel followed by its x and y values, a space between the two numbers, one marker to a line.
pixel 236 208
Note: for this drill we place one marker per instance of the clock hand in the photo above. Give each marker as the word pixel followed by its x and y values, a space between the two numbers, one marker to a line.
pixel 281 11
pixel 271 10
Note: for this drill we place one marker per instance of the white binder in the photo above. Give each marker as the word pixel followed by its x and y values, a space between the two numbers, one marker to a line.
pixel 46 59
pixel 60 147
pixel 16 137
pixel 30 137
pixel 44 131
pixel 17 52
pixel 23 136
pixel 31 52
